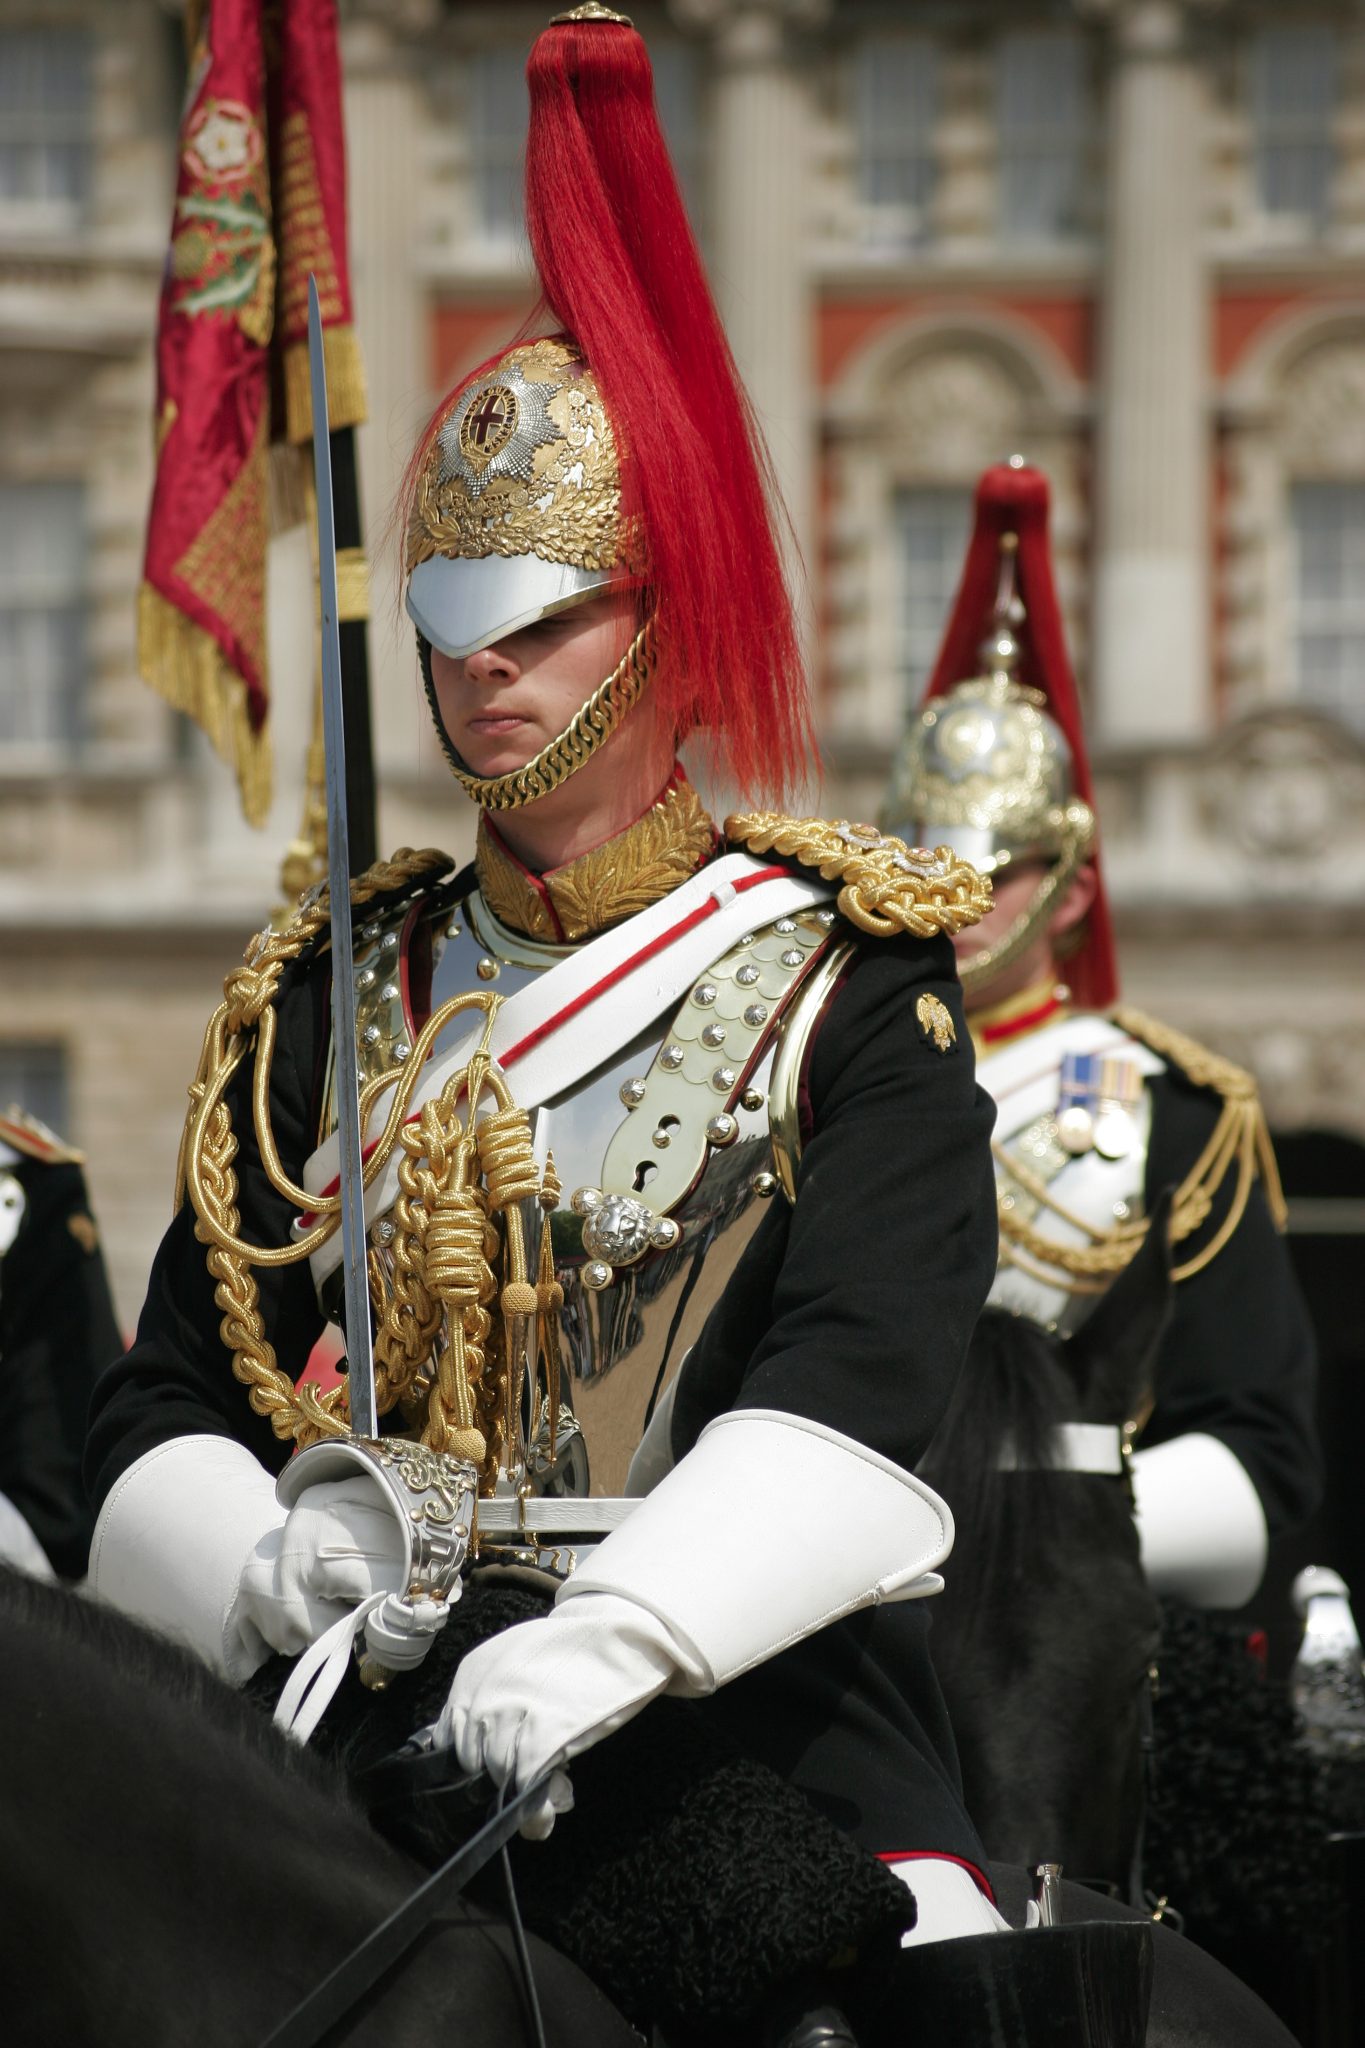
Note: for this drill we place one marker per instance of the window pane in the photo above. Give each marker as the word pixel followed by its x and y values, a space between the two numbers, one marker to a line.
pixel 895 106
pixel 1043 122
pixel 1328 659
pixel 45 116
pixel 497 142
pixel 931 528
pixel 33 1077
pixel 1293 92
pixel 42 636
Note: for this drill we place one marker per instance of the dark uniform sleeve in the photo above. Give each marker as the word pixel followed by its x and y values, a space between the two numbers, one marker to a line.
pixel 1238 1361
pixel 57 1333
pixel 854 1307
pixel 177 1379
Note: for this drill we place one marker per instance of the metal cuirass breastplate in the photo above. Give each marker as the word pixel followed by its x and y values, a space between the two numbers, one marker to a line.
pixel 624 1341
pixel 1087 1193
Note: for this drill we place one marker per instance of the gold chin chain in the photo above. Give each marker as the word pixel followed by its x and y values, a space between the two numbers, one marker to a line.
pixel 586 731
pixel 1078 836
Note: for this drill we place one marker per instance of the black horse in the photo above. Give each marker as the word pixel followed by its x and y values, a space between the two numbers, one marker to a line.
pixel 1046 1633
pixel 175 1871
pixel 1133 1741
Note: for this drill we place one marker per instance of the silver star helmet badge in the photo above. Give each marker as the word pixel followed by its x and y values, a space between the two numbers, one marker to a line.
pixel 496 429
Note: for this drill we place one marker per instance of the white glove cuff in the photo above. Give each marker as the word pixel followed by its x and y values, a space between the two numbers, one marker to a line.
pixel 1200 1522
pixel 19 1546
pixel 770 1528
pixel 173 1538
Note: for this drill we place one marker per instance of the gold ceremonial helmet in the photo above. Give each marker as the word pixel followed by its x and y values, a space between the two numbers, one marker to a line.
pixel 986 768
pixel 515 517
pixel 516 514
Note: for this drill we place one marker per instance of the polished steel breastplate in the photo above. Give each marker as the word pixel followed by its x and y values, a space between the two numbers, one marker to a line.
pixel 700 1067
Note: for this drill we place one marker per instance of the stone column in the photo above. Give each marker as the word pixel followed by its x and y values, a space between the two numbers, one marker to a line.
pixel 1152 660
pixel 762 123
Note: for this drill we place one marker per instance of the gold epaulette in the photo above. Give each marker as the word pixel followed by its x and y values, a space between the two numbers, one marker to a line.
pixel 208 1147
pixel 28 1135
pixel 1242 1108
pixel 1239 1143
pixel 887 887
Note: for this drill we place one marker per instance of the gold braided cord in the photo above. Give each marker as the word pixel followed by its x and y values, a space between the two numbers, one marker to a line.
pixel 251 987
pixel 887 887
pixel 1077 838
pixel 507 1159
pixel 301 1413
pixel 408 1314
pixel 1239 1140
pixel 586 731
pixel 327 1208
pixel 1211 1070
pixel 456 1181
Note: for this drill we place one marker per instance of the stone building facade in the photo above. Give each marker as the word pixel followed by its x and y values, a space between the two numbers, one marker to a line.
pixel 1122 236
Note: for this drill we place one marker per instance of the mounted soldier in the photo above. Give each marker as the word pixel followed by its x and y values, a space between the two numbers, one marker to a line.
pixel 677 1200
pixel 1101 1109
pixel 58 1331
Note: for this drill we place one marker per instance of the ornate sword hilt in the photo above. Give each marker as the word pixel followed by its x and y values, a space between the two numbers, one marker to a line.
pixel 433 1500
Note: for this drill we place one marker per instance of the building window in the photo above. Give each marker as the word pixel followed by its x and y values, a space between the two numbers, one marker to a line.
pixel 42 637
pixel 33 1077
pixel 931 526
pixel 497 144
pixel 1327 524
pixel 1043 122
pixel 1293 94
pixel 496 118
pixel 45 120
pixel 895 108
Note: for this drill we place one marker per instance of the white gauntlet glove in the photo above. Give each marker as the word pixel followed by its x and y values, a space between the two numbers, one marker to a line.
pixel 1200 1522
pixel 767 1530
pixel 339 1544
pixel 193 1541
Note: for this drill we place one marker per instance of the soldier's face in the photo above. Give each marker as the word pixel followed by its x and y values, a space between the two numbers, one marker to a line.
pixel 503 704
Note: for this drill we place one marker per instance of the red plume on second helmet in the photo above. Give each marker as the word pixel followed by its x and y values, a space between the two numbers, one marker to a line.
pixel 622 276
pixel 1013 498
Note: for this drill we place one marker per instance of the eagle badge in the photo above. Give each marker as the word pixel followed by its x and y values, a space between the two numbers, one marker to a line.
pixel 936 1022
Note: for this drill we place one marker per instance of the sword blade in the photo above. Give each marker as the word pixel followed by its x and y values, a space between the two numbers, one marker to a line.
pixel 346 1066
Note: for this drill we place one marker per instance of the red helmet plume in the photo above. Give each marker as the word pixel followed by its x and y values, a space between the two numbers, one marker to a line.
pixel 622 275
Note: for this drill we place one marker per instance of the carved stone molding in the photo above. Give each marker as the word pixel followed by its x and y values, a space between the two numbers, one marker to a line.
pixel 1324 411
pixel 1287 783
pixel 952 413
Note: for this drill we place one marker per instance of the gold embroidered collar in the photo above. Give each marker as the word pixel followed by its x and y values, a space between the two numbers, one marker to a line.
pixel 605 885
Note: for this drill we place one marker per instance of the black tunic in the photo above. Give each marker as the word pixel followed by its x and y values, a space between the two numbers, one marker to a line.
pixel 852 1308
pixel 1238 1361
pixel 57 1334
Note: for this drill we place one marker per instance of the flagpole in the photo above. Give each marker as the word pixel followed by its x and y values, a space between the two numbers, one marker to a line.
pixel 354 611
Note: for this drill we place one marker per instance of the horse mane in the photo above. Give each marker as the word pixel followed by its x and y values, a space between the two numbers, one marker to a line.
pixel 1012 1392
pixel 152 1667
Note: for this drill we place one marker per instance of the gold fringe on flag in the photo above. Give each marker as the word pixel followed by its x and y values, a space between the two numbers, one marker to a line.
pixel 186 666
pixel 345 383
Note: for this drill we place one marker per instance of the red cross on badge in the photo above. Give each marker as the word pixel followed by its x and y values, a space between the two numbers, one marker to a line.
pixel 489 424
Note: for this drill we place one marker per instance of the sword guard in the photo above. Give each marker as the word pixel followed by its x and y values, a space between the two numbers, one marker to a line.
pixel 432 1496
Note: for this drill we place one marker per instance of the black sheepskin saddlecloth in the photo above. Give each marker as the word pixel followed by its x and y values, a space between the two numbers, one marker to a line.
pixel 1239 1809
pixel 690 1881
